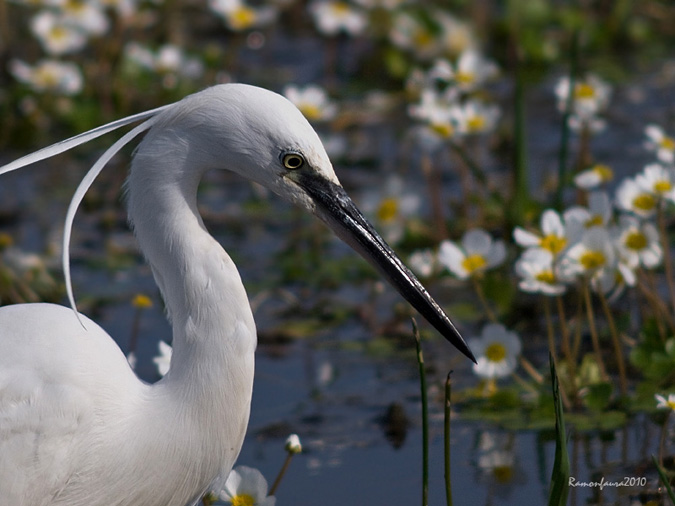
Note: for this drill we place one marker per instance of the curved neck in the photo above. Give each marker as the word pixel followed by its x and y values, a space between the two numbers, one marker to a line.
pixel 206 301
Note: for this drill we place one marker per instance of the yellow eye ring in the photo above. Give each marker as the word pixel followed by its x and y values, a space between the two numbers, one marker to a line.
pixel 293 161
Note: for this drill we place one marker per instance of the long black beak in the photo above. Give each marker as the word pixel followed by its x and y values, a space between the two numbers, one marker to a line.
pixel 337 210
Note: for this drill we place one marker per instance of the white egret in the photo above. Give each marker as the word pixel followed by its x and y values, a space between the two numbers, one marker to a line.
pixel 77 427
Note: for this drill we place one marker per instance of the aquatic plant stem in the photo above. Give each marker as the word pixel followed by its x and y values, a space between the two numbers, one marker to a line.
pixel 648 290
pixel 281 474
pixel 662 439
pixel 620 362
pixel 593 329
pixel 446 440
pixel 433 177
pixel 483 300
pixel 565 128
pixel 473 167
pixel 531 370
pixel 425 416
pixel 567 350
pixel 549 328
pixel 667 257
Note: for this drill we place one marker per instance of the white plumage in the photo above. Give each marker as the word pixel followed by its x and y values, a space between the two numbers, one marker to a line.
pixel 77 427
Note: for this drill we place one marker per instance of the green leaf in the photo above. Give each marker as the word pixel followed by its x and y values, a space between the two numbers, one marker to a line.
pixel 561 464
pixel 664 479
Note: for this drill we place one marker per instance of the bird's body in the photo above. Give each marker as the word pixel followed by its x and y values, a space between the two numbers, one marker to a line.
pixel 77 427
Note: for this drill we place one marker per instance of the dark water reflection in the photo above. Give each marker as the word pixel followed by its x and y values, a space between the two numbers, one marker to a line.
pixel 356 410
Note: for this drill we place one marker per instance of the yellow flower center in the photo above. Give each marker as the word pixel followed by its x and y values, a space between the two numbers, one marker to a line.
pixel 242 17
pixel 5 240
pixel 243 500
pixel 670 404
pixel 340 9
pixel 423 39
pixel 553 243
pixel 463 77
pixel 445 130
pixel 636 240
pixel 604 172
pixel 495 352
pixel 74 6
pixel 594 221
pixel 584 91
pixel 546 277
pixel 667 143
pixel 58 33
pixel 473 263
pixel 503 474
pixel 644 202
pixel 310 111
pixel 476 123
pixel 46 77
pixel 592 259
pixel 141 301
pixel 388 210
pixel 663 186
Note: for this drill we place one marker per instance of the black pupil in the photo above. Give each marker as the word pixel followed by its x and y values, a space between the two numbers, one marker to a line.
pixel 293 162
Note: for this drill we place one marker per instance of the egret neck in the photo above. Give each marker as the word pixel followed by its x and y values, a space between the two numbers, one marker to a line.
pixel 214 336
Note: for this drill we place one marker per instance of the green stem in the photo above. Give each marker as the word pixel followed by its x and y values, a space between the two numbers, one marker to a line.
pixel 425 417
pixel 281 474
pixel 565 129
pixel 623 382
pixel 593 329
pixel 483 299
pixel 473 167
pixel 549 328
pixel 667 260
pixel 446 438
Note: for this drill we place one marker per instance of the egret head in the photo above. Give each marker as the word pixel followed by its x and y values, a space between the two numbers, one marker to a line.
pixel 265 138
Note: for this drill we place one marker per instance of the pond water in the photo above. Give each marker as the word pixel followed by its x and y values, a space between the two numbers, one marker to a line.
pixel 352 398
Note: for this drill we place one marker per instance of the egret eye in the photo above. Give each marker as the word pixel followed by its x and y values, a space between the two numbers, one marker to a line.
pixel 293 161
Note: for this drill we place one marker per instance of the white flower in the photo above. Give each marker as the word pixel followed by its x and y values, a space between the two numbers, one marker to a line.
pixel 662 144
pixel 478 117
pixel 246 486
pixel 335 16
pixel 440 112
pixel 593 124
pixel 392 205
pixel 163 360
pixel 597 214
pixel 132 359
pixel 553 236
pixel 293 444
pixel 56 34
pixel 593 177
pixel 631 197
pixel 86 15
pixel 496 351
pixel 590 96
pixel 665 403
pixel 538 272
pixel 658 180
pixel 473 70
pixel 239 16
pixel 478 252
pixel 49 75
pixel 456 36
pixel 590 256
pixel 312 100
pixel 638 242
pixel 411 34
pixel 423 262
pixel 170 61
